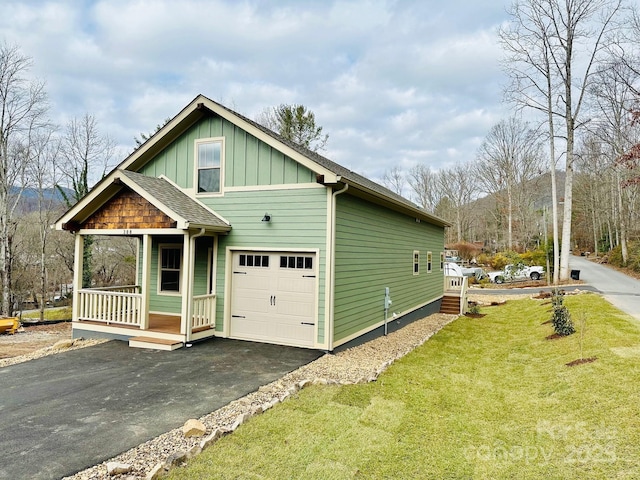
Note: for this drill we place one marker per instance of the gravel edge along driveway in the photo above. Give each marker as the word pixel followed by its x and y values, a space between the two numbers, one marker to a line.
pixel 359 364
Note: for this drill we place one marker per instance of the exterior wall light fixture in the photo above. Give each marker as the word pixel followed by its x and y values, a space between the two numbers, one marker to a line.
pixel 266 218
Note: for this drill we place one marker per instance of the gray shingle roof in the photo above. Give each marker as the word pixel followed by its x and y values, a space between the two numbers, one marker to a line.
pixel 348 175
pixel 192 211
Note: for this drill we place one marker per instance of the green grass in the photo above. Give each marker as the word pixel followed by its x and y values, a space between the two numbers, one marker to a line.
pixel 62 313
pixel 484 398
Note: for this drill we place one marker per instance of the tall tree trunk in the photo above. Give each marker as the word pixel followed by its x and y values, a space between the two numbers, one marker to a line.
pixel 622 222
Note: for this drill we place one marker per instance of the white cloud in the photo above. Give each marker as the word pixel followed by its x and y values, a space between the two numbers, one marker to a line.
pixel 392 82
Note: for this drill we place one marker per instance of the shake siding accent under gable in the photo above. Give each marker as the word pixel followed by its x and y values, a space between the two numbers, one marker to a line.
pixel 298 221
pixel 374 250
pixel 248 161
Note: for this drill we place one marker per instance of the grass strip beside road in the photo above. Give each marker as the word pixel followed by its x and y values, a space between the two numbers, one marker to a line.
pixel 50 314
pixel 484 398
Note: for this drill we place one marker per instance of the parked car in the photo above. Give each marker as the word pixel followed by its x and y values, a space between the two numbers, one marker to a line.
pixel 477 272
pixel 517 272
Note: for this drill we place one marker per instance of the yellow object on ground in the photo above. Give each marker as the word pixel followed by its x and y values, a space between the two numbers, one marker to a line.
pixel 9 325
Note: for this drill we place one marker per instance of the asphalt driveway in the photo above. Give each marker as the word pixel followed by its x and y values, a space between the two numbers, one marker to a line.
pixel 63 413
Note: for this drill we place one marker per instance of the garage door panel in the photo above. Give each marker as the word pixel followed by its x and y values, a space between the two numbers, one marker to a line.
pixel 248 304
pixel 295 308
pixel 287 333
pixel 274 300
pixel 247 327
pixel 296 284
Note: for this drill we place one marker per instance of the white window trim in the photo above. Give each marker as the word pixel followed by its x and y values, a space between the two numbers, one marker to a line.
pixel 441 261
pixel 416 262
pixel 429 262
pixel 177 246
pixel 198 142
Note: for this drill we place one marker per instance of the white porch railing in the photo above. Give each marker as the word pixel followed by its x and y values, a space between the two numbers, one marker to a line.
pixel 204 312
pixel 122 305
pixel 119 305
pixel 458 286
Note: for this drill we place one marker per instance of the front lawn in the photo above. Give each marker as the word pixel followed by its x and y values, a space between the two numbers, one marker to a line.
pixel 484 398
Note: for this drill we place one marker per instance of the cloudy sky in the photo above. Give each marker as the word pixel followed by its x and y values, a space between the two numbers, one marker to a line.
pixel 393 83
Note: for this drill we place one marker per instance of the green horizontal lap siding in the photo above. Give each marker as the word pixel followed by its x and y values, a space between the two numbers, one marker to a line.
pixel 374 250
pixel 158 302
pixel 201 266
pixel 298 221
pixel 248 161
pixel 173 304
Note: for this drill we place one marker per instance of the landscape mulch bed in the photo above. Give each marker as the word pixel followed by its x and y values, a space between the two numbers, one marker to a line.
pixel 580 361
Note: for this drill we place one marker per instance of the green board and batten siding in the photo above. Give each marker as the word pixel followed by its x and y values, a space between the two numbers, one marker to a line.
pixel 248 161
pixel 374 250
pixel 298 209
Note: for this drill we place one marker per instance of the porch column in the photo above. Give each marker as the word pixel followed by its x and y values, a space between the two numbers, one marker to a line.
pixel 187 274
pixel 77 276
pixel 145 280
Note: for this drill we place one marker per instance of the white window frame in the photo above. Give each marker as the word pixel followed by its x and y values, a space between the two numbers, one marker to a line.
pixel 429 262
pixel 196 169
pixel 441 261
pixel 416 262
pixel 172 246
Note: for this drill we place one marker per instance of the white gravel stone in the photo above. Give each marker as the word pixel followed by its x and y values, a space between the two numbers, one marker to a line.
pixel 151 459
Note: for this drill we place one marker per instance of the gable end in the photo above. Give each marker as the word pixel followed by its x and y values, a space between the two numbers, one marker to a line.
pixel 128 210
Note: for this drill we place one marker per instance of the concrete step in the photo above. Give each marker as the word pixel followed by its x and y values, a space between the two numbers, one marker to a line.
pixel 155 343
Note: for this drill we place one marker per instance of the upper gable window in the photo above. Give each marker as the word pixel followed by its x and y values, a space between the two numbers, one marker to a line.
pixel 209 160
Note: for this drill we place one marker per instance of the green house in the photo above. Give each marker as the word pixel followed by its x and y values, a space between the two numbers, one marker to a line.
pixel 242 234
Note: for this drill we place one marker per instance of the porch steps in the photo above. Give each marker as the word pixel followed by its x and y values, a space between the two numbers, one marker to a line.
pixel 155 343
pixel 450 304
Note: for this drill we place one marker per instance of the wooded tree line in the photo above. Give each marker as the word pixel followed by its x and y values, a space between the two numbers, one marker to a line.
pixel 44 169
pixel 574 71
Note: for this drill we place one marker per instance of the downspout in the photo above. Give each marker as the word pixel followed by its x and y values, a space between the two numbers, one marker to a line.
pixel 332 275
pixel 192 261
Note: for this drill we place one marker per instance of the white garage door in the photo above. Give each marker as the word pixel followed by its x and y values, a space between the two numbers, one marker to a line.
pixel 273 297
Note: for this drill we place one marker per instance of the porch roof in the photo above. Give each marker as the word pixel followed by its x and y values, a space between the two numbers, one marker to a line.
pixel 187 212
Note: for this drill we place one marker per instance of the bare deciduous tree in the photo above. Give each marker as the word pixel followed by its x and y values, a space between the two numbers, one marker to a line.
pixel 394 180
pixel 43 171
pixel 508 159
pixel 87 154
pixel 424 183
pixel 457 184
pixel 23 109
pixel 554 47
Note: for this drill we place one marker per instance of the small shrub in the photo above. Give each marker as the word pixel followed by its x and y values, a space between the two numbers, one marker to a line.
pixel 534 257
pixel 483 259
pixel 467 251
pixel 561 321
pixel 474 308
pixel 499 261
pixel 557 300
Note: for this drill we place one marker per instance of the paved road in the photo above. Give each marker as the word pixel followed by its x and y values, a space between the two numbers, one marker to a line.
pixel 619 289
pixel 63 413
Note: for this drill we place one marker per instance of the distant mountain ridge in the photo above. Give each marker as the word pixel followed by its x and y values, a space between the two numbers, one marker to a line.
pixel 29 197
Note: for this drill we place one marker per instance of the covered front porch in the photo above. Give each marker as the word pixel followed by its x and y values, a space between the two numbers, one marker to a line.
pixel 173 300
pixel 118 312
